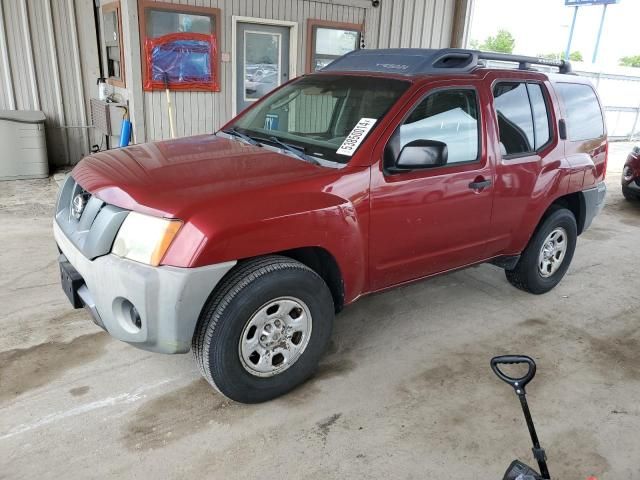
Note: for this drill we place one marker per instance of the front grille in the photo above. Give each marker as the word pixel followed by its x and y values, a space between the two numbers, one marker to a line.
pixel 89 223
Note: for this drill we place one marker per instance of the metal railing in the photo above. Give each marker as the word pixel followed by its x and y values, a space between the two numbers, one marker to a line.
pixel 620 95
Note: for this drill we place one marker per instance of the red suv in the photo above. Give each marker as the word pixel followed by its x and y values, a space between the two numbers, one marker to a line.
pixel 631 176
pixel 387 167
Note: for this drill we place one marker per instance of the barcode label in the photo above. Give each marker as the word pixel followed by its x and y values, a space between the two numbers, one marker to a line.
pixel 356 136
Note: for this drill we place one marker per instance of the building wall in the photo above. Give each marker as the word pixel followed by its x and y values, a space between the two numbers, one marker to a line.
pixel 412 24
pixel 396 23
pixel 49 62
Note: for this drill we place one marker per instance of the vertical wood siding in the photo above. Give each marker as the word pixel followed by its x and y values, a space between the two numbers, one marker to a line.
pixel 204 112
pixel 397 23
pixel 410 24
pixel 49 60
pixel 41 69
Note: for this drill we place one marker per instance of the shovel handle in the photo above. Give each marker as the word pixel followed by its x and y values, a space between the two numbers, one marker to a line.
pixel 517 383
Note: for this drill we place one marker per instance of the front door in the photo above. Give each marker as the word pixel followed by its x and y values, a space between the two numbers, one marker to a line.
pixel 434 219
pixel 262 61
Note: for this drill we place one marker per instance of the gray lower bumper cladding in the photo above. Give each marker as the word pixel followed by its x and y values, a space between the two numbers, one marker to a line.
pixel 167 300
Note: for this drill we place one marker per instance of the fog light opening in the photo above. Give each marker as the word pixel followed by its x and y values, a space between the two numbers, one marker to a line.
pixel 135 317
pixel 128 315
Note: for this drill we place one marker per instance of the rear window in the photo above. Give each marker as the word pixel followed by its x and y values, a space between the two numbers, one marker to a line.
pixel 515 121
pixel 540 114
pixel 523 117
pixel 584 118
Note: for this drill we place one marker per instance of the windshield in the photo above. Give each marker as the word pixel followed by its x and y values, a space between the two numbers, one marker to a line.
pixel 317 113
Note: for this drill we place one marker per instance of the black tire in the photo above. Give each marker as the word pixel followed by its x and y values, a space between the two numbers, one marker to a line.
pixel 629 196
pixel 247 288
pixel 526 275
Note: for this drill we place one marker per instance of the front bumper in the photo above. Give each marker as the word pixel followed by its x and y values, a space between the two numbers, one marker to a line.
pixel 594 203
pixel 168 299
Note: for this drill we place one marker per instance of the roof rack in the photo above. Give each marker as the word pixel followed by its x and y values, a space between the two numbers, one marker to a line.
pixel 421 61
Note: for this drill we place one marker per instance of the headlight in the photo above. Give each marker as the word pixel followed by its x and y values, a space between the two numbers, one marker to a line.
pixel 627 173
pixel 144 238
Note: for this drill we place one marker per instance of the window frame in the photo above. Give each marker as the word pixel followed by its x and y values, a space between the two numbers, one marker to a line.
pixel 144 5
pixel 313 23
pixel 550 115
pixel 418 102
pixel 117 8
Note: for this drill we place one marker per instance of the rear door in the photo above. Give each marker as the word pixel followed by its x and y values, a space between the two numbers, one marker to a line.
pixel 432 220
pixel 528 157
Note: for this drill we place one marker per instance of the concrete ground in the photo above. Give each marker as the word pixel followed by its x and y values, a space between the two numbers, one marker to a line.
pixel 406 391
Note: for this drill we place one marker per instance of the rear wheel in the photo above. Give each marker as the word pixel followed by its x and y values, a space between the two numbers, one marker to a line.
pixel 264 330
pixel 547 257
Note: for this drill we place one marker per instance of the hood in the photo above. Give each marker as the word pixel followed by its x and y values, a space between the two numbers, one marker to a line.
pixel 168 178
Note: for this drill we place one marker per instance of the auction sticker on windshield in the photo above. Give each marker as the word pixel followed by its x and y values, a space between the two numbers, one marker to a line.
pixel 355 138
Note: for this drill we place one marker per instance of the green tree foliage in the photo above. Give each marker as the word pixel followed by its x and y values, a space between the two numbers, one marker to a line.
pixel 503 42
pixel 633 61
pixel 574 56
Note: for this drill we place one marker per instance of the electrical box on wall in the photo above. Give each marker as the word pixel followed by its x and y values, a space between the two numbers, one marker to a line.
pixel 106 117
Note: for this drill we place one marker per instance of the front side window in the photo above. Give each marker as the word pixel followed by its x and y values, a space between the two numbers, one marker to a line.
pixel 317 113
pixel 584 118
pixel 448 116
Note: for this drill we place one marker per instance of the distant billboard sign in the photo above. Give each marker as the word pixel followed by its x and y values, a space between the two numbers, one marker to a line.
pixel 580 3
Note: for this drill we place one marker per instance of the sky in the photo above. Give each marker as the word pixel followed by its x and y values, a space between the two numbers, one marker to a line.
pixel 542 26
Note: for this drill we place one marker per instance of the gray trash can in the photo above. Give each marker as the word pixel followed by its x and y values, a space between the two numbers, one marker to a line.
pixel 23 148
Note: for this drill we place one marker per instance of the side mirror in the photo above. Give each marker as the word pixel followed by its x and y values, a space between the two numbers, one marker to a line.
pixel 421 154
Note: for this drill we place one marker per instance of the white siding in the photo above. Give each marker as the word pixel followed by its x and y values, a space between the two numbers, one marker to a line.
pixel 42 68
pixel 411 24
pixel 49 59
pixel 397 23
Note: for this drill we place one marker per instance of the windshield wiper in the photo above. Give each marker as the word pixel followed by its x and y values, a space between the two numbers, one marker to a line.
pixel 298 152
pixel 234 131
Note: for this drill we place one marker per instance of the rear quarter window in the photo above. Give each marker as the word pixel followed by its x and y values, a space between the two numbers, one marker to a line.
pixel 584 118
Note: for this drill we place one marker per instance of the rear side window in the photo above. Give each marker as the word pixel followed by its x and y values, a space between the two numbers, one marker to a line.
pixel 540 114
pixel 523 117
pixel 449 116
pixel 584 118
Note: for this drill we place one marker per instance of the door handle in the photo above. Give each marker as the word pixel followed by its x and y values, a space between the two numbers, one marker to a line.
pixel 480 184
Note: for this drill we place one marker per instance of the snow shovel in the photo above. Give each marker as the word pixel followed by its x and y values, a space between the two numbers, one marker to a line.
pixel 518 470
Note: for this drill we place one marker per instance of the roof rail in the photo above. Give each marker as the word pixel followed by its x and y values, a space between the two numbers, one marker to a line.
pixel 421 61
pixel 524 63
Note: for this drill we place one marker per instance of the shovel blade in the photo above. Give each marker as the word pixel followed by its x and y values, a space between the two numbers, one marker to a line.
pixel 519 471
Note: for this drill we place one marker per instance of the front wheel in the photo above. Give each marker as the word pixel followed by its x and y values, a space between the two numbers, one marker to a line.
pixel 264 330
pixel 547 257
pixel 629 196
